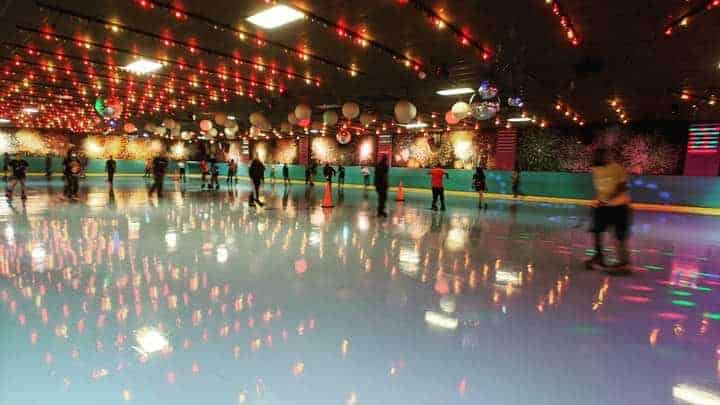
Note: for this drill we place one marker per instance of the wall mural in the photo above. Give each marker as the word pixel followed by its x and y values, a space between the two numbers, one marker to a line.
pixel 456 149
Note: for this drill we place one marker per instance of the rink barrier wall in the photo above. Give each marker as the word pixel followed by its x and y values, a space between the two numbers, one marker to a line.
pixel 690 191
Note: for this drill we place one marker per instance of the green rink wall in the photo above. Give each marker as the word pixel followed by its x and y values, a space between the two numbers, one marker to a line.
pixel 672 190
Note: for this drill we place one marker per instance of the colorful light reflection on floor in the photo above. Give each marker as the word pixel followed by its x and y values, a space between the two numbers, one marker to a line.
pixel 197 297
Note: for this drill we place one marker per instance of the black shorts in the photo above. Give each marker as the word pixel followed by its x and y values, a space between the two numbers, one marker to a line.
pixel 619 217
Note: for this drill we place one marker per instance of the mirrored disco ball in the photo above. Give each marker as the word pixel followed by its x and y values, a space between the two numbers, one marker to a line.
pixel 485 110
pixel 487 90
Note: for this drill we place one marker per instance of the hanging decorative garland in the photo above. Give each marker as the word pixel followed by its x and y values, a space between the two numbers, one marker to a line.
pixel 565 22
pixel 684 19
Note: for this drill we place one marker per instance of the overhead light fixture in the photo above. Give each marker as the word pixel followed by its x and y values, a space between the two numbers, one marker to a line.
pixel 520 119
pixel 275 17
pixel 4 121
pixel 455 92
pixel 231 117
pixel 414 125
pixel 30 110
pixel 142 66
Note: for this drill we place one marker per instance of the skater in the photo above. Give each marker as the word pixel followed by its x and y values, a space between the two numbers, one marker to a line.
pixel 611 208
pixel 214 176
pixel 257 175
pixel 48 166
pixel 381 184
pixel 286 175
pixel 148 167
pixel 72 170
pixel 159 166
pixel 84 161
pixel 110 167
pixel 328 172
pixel 438 190
pixel 516 181
pixel 341 175
pixel 232 172
pixel 181 170
pixel 480 186
pixel 272 173
pixel 307 174
pixel 19 168
pixel 6 166
pixel 366 176
pixel 203 172
pixel 313 173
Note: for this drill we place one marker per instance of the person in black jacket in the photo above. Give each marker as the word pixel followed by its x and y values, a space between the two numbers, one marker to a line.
pixel 257 175
pixel 19 168
pixel 381 184
pixel 286 175
pixel 480 186
pixel 159 167
pixel 110 167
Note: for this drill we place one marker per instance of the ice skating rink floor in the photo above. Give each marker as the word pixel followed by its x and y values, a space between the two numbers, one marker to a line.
pixel 197 298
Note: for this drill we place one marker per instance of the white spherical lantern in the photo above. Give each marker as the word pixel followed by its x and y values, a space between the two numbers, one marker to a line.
pixel 257 119
pixel 405 112
pixel 303 112
pixel 330 118
pixel 169 123
pixel 230 132
pixel 292 119
pixel 213 132
pixel 350 110
pixel 285 127
pixel 231 124
pixel 366 118
pixel 220 119
pixel 150 127
pixel 205 125
pixel 461 110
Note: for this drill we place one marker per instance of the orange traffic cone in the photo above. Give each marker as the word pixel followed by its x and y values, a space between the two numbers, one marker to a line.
pixel 400 195
pixel 327 199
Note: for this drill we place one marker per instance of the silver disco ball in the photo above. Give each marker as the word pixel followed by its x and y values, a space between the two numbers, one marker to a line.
pixel 485 110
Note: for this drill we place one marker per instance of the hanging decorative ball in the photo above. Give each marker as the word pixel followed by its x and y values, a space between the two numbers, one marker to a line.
pixel 206 125
pixel 185 135
pixel 515 102
pixel 366 118
pixel 461 110
pixel 220 119
pixel 129 128
pixel 405 112
pixel 343 137
pixel 231 124
pixel 292 119
pixel 230 132
pixel 487 91
pixel 485 110
pixel 160 131
pixel 305 123
pixel 258 119
pixel 150 127
pixel 350 110
pixel 285 127
pixel 169 123
pixel 303 112
pixel 330 118
pixel 213 132
pixel 450 118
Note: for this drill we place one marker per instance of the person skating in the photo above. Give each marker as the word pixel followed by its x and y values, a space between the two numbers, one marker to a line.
pixel 6 165
pixel 313 173
pixel 366 176
pixel 272 173
pixel 256 171
pixel 159 167
pixel 341 175
pixel 48 166
pixel 214 176
pixel 110 167
pixel 381 184
pixel 480 186
pixel 203 172
pixel 19 168
pixel 286 174
pixel 181 170
pixel 328 172
pixel 437 175
pixel 516 181
pixel 148 167
pixel 611 208
pixel 72 170
pixel 232 172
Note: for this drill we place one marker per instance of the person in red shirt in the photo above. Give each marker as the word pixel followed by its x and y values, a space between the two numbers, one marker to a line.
pixel 436 181
pixel 204 171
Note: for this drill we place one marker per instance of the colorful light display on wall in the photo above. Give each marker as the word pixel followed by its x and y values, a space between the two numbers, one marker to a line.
pixel 703 138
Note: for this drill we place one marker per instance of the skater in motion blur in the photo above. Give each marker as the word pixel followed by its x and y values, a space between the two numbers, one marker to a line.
pixel 480 186
pixel 516 181
pixel 341 176
pixel 232 172
pixel 110 167
pixel 148 168
pixel 72 170
pixel 214 176
pixel 203 172
pixel 48 166
pixel 437 175
pixel 159 167
pixel 611 208
pixel 6 165
pixel 286 174
pixel 19 168
pixel 381 184
pixel 181 170
pixel 366 176
pixel 257 175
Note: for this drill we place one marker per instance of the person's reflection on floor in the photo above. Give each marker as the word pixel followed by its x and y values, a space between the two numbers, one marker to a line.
pixel 285 197
pixel 111 198
pixel 341 196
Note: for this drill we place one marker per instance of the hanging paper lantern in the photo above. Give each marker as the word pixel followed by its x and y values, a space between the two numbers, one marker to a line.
pixel 206 125
pixel 487 91
pixel 258 119
pixel 450 118
pixel 178 126
pixel 230 132
pixel 150 127
pixel 484 110
pixel 461 110
pixel 231 124
pixel 220 119
pixel 350 110
pixel 366 118
pixel 343 137
pixel 405 112
pixel 169 123
pixel 303 112
pixel 330 118
pixel 292 119
pixel 304 123
pixel 285 127
pixel 129 128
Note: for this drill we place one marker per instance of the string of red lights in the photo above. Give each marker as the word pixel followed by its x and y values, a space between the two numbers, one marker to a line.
pixel 565 21
pixel 684 19
pixel 569 113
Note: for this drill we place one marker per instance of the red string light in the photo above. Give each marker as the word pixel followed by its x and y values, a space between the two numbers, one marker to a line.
pixel 684 19
pixel 565 22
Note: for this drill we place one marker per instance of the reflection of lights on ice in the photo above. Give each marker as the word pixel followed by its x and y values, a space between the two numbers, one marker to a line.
pixel 171 239
pixel 133 229
pixel 508 277
pixel 317 218
pixel 409 260
pixel 38 253
pixel 150 340
pixel 222 254
pixel 315 238
pixel 440 320
pixel 695 395
pixel 456 239
pixel 363 222
pixel 447 303
pixel 345 233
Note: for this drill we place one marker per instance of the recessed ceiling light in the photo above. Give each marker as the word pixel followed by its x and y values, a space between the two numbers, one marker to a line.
pixel 414 125
pixel 30 110
pixel 520 119
pixel 456 92
pixel 4 121
pixel 231 117
pixel 142 66
pixel 275 17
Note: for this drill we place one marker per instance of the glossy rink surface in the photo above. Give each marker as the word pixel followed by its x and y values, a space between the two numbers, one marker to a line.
pixel 197 298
